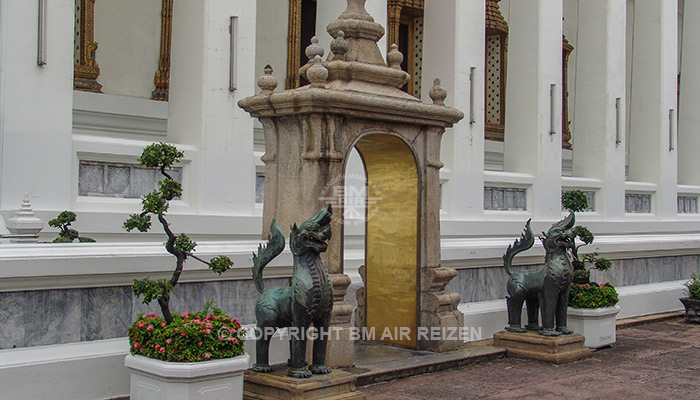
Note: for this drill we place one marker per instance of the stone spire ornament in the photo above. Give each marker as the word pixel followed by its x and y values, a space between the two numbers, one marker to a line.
pixel 267 82
pixel 24 222
pixel 339 46
pixel 394 58
pixel 314 49
pixel 317 73
pixel 438 93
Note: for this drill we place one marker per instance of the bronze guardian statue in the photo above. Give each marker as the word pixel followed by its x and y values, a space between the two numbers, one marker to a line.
pixel 309 299
pixel 545 289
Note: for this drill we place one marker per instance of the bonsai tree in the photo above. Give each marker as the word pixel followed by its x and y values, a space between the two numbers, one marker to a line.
pixel 66 234
pixel 692 287
pixel 576 201
pixel 162 156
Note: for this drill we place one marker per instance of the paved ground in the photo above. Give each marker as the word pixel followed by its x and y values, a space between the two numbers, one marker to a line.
pixel 659 360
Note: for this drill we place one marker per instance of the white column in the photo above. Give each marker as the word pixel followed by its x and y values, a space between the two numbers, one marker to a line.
pixel 36 106
pixel 204 113
pixel 652 155
pixel 453 42
pixel 689 107
pixel 329 10
pixel 534 64
pixel 599 148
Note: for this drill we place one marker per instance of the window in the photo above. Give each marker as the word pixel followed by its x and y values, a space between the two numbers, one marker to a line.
pixel 108 179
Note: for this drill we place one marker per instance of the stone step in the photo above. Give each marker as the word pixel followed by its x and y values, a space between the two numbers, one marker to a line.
pixel 379 362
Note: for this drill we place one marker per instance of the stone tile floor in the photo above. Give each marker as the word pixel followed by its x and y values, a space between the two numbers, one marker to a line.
pixel 658 360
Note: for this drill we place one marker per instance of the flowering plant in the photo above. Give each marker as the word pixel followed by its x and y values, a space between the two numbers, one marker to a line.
pixel 592 296
pixel 189 338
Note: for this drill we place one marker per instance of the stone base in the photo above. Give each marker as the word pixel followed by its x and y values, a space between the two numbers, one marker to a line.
pixel 555 349
pixel 337 385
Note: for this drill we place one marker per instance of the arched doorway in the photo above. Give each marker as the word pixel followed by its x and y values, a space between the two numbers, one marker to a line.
pixel 354 101
pixel 391 238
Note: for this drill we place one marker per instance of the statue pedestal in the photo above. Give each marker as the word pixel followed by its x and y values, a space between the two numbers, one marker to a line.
pixel 555 349
pixel 337 385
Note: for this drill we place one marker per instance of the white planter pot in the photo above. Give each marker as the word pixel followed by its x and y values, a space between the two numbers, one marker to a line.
pixel 597 325
pixel 153 379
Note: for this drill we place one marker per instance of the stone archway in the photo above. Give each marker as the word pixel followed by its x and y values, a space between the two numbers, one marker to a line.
pixel 354 100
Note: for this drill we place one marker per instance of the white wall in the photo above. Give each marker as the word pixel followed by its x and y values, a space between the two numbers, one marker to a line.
pixel 128 37
pixel 35 105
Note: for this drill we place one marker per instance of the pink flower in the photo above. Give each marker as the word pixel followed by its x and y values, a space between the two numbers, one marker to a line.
pixel 580 294
pixel 185 324
pixel 168 341
pixel 207 356
pixel 157 346
pixel 150 315
pixel 162 349
pixel 163 325
pixel 185 315
pixel 136 345
pixel 235 340
pixel 150 328
pixel 183 333
pixel 200 343
pixel 208 331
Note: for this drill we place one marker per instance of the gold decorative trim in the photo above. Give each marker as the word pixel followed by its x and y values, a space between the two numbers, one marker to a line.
pixel 567 48
pixel 86 70
pixel 162 77
pixel 293 45
pixel 497 25
pixel 393 23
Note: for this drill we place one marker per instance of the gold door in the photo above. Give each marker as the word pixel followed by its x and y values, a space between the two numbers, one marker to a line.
pixel 391 256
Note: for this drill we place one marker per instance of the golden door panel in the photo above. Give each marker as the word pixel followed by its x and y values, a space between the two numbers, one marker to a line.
pixel 391 238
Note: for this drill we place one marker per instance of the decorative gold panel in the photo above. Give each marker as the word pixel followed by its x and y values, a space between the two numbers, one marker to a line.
pixel 567 48
pixel 391 238
pixel 293 45
pixel 86 70
pixel 162 78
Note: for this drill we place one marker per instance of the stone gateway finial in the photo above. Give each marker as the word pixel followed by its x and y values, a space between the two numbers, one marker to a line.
pixel 314 49
pixel 317 73
pixel 394 58
pixel 339 46
pixel 438 93
pixel 267 82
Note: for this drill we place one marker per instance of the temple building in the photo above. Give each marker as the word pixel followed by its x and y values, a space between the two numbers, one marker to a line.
pixel 602 96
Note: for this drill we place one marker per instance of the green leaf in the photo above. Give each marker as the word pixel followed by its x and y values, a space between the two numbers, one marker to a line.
pixel 160 155
pixel 64 218
pixel 151 290
pixel 154 203
pixel 170 189
pixel 220 264
pixel 574 200
pixel 184 243
pixel 140 222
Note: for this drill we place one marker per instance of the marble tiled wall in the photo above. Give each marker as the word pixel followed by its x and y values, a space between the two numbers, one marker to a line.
pixel 44 317
pixel 482 284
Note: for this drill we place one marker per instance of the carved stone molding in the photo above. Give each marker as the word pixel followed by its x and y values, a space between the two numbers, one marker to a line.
pixel 86 70
pixel 162 78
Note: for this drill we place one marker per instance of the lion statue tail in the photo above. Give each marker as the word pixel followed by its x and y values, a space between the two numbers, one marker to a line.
pixel 526 240
pixel 266 253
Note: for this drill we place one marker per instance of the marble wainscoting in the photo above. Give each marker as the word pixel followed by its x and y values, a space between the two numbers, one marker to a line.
pixel 45 317
pixel 489 283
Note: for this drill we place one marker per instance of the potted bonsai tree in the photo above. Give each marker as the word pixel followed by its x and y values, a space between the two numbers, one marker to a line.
pixel 592 307
pixel 692 302
pixel 180 356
